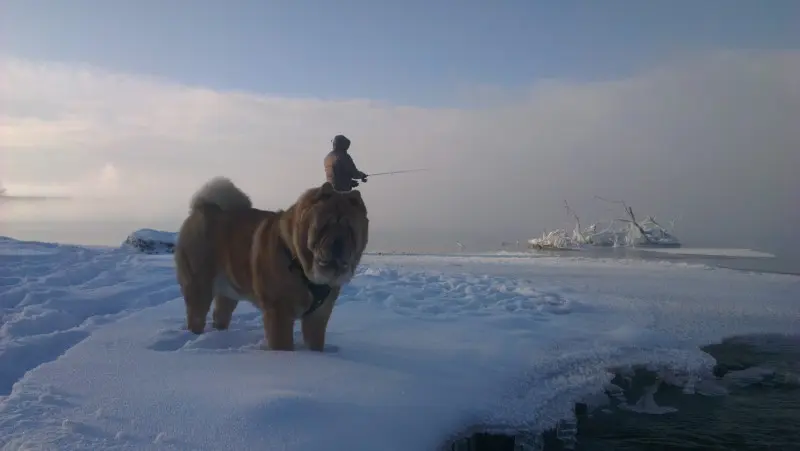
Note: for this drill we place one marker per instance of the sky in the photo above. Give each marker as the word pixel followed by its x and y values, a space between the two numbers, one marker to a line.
pixel 684 109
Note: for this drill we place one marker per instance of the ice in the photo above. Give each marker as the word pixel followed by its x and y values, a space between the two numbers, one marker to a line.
pixel 749 376
pixel 647 404
pixel 647 233
pixel 151 241
pixel 93 354
pixel 556 239
pixel 567 432
pixel 155 235
pixel 614 235
pixel 744 253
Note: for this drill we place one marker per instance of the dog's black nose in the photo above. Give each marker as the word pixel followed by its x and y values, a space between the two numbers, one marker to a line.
pixel 337 248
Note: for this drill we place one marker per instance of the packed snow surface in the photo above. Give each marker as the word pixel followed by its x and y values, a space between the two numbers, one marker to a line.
pixel 93 354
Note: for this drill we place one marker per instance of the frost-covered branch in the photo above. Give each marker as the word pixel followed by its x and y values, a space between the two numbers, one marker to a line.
pixel 619 232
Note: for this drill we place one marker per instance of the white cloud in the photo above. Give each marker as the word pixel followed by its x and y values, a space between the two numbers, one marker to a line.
pixel 714 138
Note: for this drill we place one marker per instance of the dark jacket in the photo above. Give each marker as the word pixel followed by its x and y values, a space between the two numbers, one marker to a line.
pixel 340 169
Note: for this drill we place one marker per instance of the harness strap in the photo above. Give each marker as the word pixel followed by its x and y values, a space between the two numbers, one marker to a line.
pixel 318 292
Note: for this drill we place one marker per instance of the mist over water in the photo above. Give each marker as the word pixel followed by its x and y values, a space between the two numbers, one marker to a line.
pixel 100 223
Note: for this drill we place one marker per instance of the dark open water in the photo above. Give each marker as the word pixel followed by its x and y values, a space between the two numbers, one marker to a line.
pixel 762 413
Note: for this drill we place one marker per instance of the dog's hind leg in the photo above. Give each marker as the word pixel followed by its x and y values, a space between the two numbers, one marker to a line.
pixel 197 295
pixel 195 267
pixel 223 312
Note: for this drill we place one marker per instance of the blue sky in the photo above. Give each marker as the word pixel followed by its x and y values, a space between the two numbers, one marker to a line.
pixel 409 52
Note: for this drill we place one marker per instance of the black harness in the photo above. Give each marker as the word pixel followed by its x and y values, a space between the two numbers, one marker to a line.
pixel 318 292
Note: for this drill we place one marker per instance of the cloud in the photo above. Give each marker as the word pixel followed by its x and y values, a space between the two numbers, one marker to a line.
pixel 103 184
pixel 714 139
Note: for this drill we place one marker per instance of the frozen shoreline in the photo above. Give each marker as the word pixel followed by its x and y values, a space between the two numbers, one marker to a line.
pixel 469 340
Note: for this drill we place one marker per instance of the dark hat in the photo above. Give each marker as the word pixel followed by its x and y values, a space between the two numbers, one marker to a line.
pixel 340 142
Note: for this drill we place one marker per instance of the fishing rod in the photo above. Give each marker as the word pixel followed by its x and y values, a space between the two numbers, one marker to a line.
pixel 395 172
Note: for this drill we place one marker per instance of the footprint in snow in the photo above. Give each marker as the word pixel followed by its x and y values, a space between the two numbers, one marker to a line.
pixel 171 340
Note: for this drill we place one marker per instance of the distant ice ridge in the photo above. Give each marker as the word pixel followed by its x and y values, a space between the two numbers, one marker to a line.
pixel 421 348
pixel 150 241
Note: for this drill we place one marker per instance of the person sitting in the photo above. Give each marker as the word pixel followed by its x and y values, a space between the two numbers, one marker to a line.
pixel 340 170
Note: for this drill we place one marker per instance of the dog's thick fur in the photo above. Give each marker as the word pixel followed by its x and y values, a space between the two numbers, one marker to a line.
pixel 227 251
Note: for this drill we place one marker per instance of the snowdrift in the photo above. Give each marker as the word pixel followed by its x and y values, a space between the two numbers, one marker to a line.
pixel 93 354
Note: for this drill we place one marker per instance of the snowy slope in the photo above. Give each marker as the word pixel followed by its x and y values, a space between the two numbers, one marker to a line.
pixel 92 355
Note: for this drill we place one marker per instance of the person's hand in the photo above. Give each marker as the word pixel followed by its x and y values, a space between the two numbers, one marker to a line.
pixel 364 179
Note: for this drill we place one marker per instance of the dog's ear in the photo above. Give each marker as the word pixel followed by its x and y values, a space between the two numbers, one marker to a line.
pixel 325 191
pixel 355 194
pixel 326 187
pixel 355 199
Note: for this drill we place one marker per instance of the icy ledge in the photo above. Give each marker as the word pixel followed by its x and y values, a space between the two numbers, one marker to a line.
pixel 634 387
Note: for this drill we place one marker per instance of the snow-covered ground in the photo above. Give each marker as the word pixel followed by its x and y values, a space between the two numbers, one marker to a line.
pixel 93 355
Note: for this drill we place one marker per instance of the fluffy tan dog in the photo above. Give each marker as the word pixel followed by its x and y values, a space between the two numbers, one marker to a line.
pixel 291 264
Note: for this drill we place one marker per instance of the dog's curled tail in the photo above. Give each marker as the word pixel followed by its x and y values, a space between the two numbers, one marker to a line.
pixel 222 193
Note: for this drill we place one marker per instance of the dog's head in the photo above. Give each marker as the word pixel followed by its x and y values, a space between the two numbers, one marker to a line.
pixel 337 233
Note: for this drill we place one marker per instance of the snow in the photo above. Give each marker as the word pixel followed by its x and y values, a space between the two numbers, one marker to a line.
pixel 151 241
pixel 155 235
pixel 421 348
pixel 555 239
